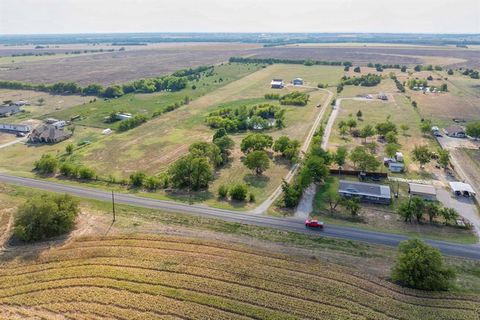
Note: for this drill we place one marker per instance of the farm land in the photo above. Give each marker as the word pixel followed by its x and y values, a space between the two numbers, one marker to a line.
pixel 157 143
pixel 153 264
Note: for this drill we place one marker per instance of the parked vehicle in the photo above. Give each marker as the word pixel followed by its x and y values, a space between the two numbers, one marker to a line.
pixel 311 223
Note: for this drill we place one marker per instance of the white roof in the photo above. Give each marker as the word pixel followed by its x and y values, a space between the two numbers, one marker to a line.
pixel 460 186
pixel 277 82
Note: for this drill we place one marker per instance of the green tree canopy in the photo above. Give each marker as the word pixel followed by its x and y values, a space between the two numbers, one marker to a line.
pixel 421 266
pixel 422 155
pixel 45 216
pixel 256 141
pixel 258 161
pixel 473 129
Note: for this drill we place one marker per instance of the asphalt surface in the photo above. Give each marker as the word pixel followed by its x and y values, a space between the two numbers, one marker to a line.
pixel 288 224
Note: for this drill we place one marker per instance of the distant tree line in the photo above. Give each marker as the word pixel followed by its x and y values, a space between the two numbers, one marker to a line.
pixel 471 73
pixel 307 62
pixel 174 82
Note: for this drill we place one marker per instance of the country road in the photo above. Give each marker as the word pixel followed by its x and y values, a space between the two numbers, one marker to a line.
pixel 288 224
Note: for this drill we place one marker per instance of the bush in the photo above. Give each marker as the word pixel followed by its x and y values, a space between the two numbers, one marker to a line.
pixel 45 216
pixel 68 169
pixel 251 197
pixel 47 164
pixel 222 192
pixel 137 179
pixel 132 122
pixel 295 98
pixel 421 266
pixel 369 80
pixel 239 192
pixel 86 173
pixel 152 183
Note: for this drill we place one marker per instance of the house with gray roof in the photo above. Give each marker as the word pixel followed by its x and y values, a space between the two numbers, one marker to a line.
pixel 365 192
pixel 47 133
pixel 8 110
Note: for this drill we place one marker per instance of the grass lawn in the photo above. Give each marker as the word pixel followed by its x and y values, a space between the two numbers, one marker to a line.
pixel 400 112
pixel 383 218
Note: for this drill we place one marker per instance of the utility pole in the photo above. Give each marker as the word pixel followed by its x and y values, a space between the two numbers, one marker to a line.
pixel 113 206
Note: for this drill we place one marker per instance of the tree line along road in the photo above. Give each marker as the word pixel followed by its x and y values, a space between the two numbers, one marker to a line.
pixel 287 224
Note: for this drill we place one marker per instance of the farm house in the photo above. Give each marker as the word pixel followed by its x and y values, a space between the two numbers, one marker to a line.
pixel 277 84
pixel 366 192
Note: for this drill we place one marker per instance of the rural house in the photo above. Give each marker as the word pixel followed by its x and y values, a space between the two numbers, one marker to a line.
pixel 8 110
pixel 424 191
pixel 16 128
pixel 366 192
pixel 277 84
pixel 297 82
pixel 47 133
pixel 455 131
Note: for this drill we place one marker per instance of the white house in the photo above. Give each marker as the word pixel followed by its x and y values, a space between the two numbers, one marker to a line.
pixel 277 84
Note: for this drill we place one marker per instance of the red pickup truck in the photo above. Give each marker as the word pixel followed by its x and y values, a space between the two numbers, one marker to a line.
pixel 311 223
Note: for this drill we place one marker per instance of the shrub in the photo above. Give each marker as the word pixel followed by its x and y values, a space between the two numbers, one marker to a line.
pixel 68 169
pixel 251 197
pixel 239 192
pixel 295 98
pixel 421 266
pixel 137 179
pixel 45 216
pixel 86 173
pixel 47 164
pixel 152 183
pixel 132 122
pixel 222 192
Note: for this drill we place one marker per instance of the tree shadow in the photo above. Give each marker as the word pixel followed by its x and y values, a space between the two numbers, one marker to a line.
pixel 256 181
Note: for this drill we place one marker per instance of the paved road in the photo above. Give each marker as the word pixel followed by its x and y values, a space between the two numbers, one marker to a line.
pixel 289 224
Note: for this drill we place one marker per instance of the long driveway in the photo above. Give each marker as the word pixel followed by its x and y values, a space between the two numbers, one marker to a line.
pixel 289 224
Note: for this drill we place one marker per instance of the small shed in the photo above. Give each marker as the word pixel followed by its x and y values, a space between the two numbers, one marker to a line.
pixel 277 84
pixel 107 131
pixel 461 188
pixel 455 131
pixel 396 167
pixel 424 191
pixel 297 82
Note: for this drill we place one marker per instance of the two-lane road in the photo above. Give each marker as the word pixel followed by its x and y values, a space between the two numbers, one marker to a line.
pixel 289 224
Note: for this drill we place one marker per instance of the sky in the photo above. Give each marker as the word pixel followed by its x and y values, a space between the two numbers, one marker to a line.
pixel 109 16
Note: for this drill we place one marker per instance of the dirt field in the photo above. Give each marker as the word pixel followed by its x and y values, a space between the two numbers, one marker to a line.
pixel 120 67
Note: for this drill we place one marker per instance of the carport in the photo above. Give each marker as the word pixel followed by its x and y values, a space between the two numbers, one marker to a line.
pixel 460 188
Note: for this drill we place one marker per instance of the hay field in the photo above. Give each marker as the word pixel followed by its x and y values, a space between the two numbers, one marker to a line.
pixel 164 277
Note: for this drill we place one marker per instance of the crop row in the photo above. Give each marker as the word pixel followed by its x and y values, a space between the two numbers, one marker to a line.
pixel 339 274
pixel 381 303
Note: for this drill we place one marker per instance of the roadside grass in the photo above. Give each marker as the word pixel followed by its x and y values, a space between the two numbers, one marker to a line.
pixel 383 218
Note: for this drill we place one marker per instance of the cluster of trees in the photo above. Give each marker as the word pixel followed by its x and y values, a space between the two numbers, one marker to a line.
pixel 379 67
pixel 307 62
pixel 175 82
pixel 420 266
pixel 428 67
pixel 471 73
pixel 196 169
pixel 48 164
pixel 258 117
pixel 75 171
pixel 295 98
pixel 363 159
pixel 417 208
pixel 399 85
pixel 288 148
pixel 131 123
pixel 369 80
pixel 139 179
pixel 237 192
pixel 45 216
pixel 411 83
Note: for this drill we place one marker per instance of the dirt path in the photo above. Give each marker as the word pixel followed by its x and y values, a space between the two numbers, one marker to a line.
pixel 12 142
pixel 6 234
pixel 262 208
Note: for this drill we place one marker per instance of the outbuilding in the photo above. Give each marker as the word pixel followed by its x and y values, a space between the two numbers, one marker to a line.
pixel 14 127
pixel 277 84
pixel 366 192
pixel 461 188
pixel 297 82
pixel 8 110
pixel 424 191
